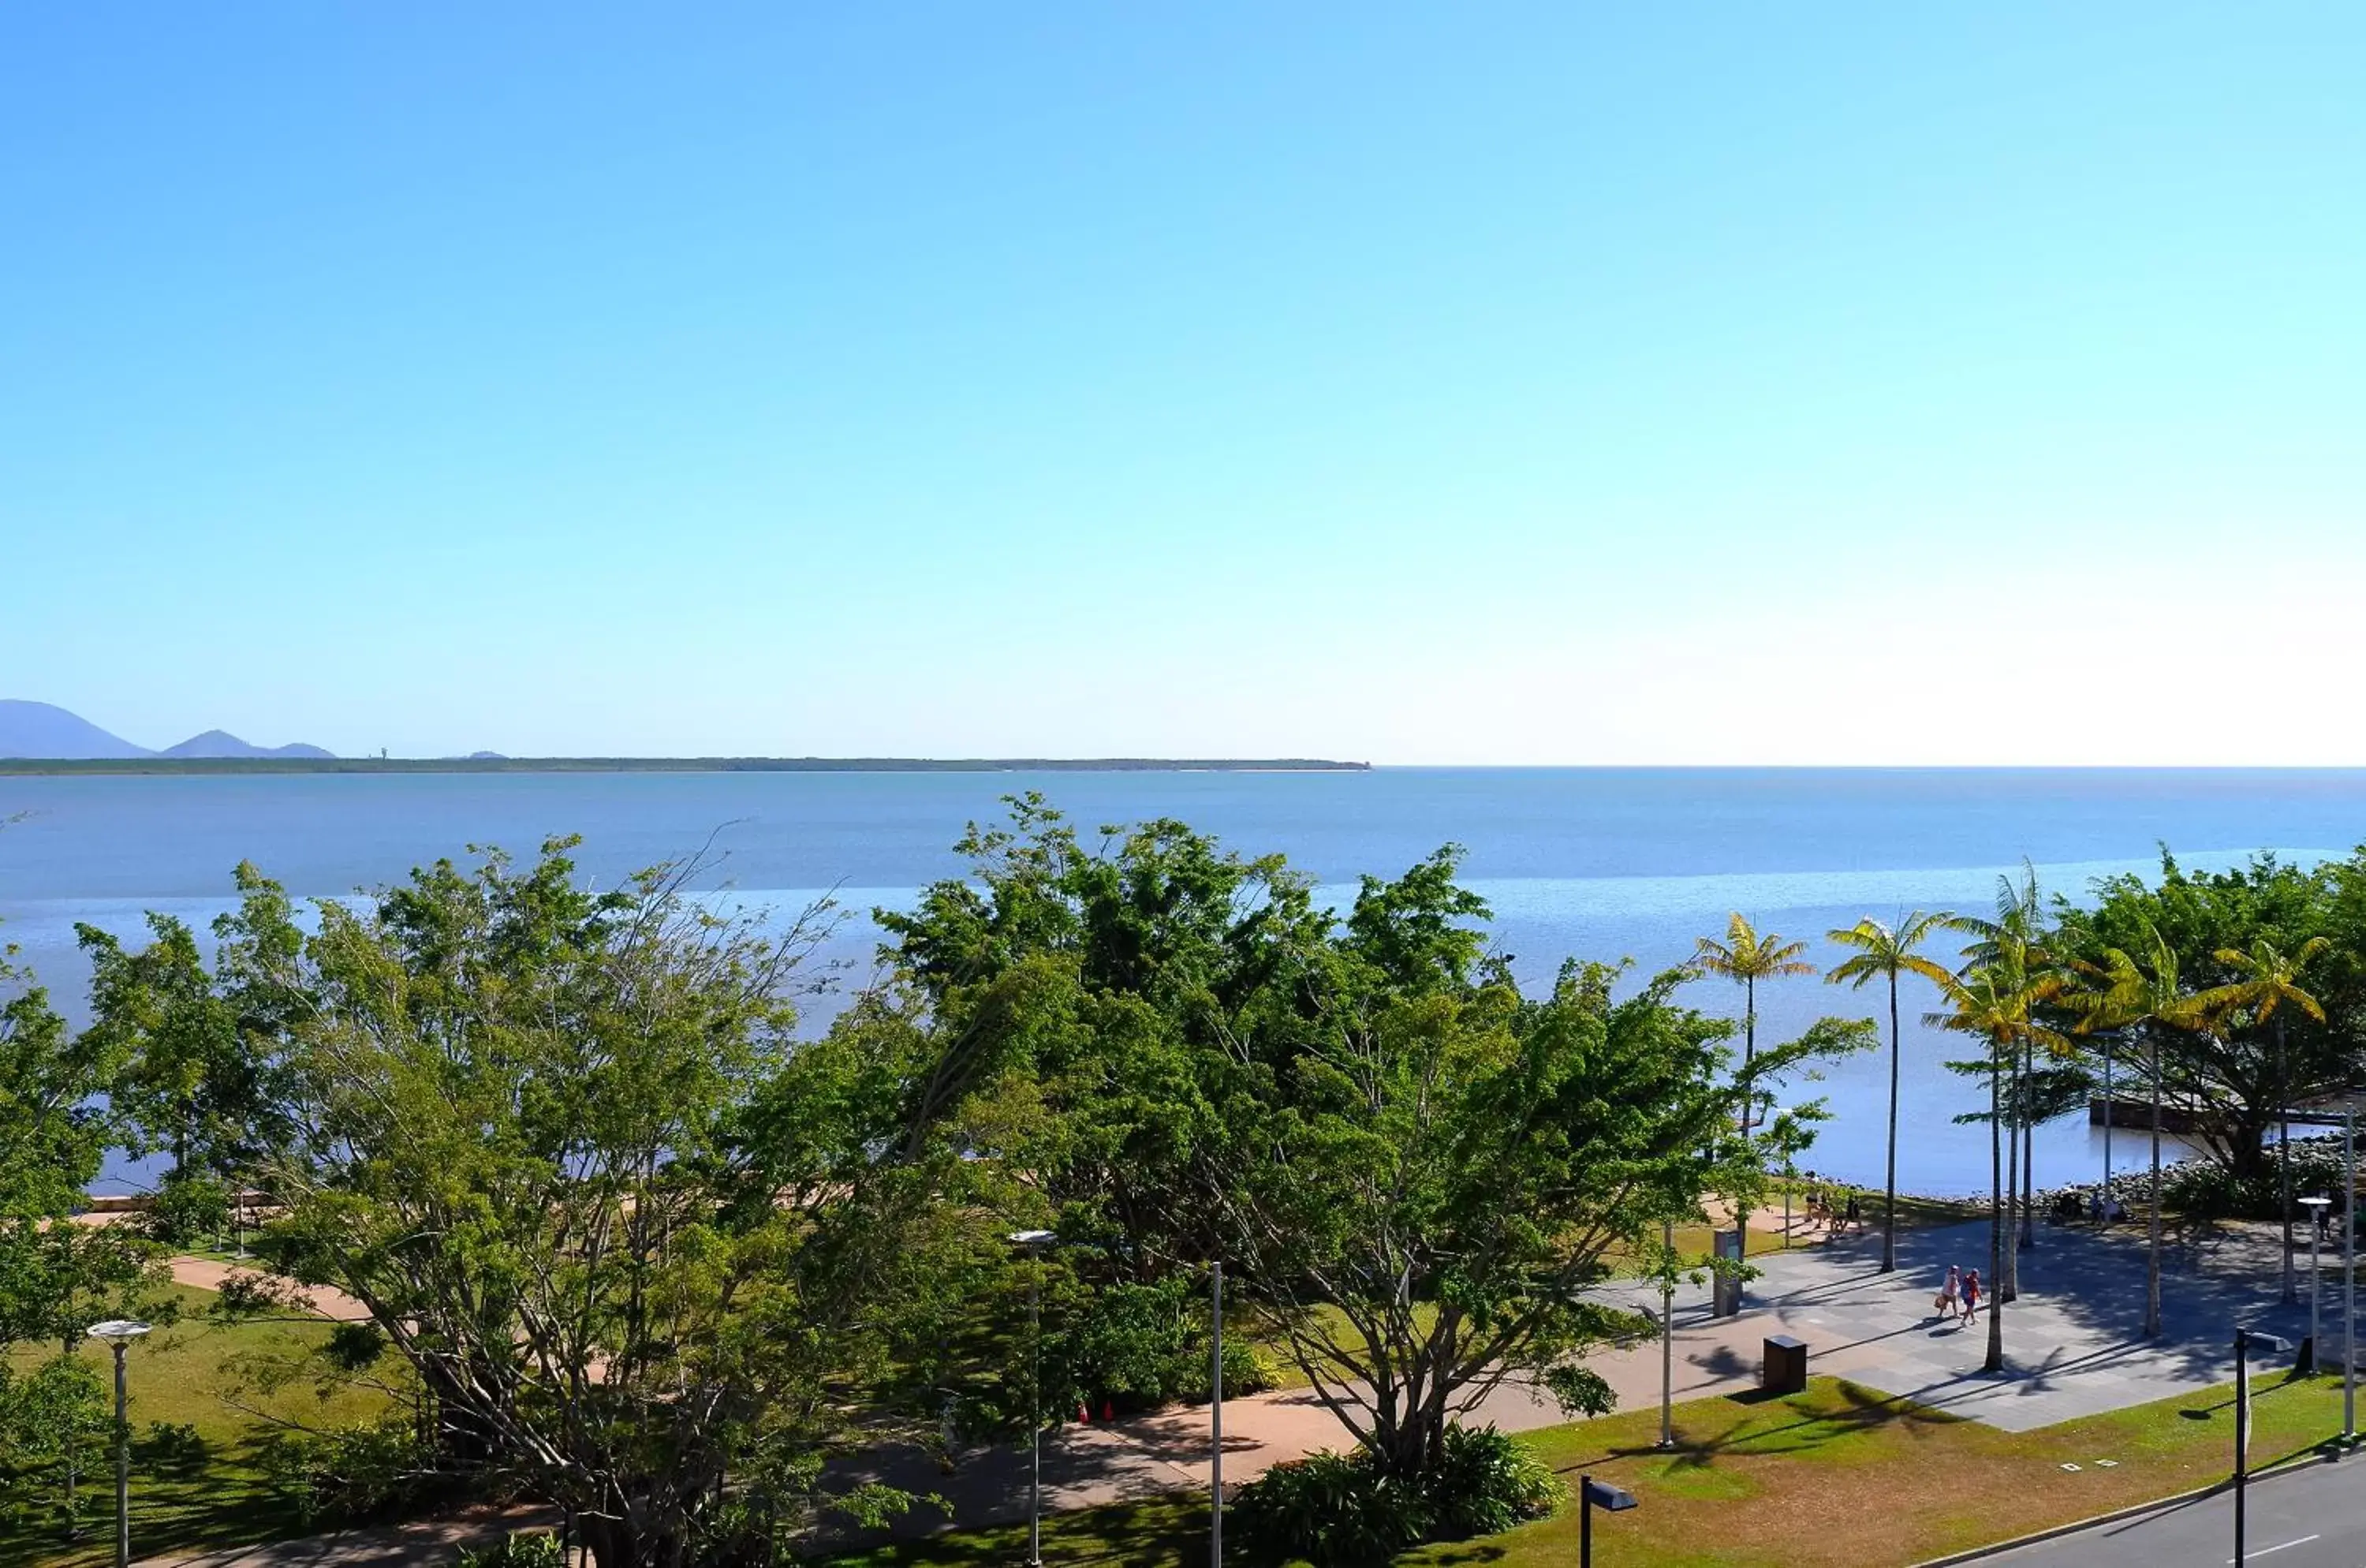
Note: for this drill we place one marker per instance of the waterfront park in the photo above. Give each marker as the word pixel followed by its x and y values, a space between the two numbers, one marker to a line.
pixel 1143 1206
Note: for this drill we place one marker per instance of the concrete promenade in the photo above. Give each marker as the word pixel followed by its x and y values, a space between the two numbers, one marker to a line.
pixel 2074 1346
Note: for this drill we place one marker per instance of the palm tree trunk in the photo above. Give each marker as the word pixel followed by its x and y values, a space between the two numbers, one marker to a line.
pixel 2028 1146
pixel 2283 1158
pixel 2008 1284
pixel 1749 1103
pixel 1889 1171
pixel 1997 1222
pixel 2152 1271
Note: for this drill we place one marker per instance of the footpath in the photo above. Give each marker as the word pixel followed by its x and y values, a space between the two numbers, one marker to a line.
pixel 2073 1342
pixel 2074 1346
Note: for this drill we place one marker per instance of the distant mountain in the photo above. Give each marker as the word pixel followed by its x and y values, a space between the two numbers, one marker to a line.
pixel 50 733
pixel 222 743
pixel 40 730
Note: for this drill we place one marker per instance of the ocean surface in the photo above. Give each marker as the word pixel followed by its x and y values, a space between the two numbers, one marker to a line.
pixel 1593 862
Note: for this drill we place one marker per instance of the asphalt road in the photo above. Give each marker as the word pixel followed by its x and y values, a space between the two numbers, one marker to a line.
pixel 2315 1519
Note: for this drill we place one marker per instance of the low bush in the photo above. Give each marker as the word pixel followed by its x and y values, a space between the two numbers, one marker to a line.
pixel 189 1211
pixel 1486 1484
pixel 354 1472
pixel 1333 1510
pixel 174 1448
pixel 527 1548
pixel 1336 1510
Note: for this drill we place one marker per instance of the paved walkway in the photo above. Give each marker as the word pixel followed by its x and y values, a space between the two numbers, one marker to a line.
pixel 415 1544
pixel 2073 1344
pixel 2073 1341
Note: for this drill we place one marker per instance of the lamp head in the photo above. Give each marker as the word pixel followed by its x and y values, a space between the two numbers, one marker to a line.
pixel 1602 1495
pixel 1033 1238
pixel 2318 1202
pixel 118 1330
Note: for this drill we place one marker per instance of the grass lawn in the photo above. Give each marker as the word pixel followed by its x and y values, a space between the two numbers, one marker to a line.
pixel 177 1376
pixel 1837 1477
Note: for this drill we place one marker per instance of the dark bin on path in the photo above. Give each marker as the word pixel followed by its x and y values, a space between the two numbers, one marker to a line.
pixel 1784 1370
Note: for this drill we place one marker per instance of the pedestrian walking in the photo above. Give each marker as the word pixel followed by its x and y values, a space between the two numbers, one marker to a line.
pixel 1951 1293
pixel 1971 1294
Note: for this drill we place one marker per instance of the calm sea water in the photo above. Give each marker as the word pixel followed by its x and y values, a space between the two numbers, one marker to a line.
pixel 1607 864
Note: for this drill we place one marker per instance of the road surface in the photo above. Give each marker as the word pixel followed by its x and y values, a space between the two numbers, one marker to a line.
pixel 2313 1519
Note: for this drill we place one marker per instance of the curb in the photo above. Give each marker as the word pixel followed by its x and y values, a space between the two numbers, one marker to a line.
pixel 2134 1510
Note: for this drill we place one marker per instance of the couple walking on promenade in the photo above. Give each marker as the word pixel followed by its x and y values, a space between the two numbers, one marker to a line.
pixel 1959 1298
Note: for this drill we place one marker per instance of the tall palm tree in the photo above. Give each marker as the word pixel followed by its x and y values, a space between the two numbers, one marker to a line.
pixel 1991 1003
pixel 2269 989
pixel 2146 994
pixel 1881 952
pixel 1745 957
pixel 2013 938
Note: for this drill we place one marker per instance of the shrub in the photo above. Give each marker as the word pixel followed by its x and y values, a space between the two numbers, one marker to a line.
pixel 175 1448
pixel 189 1210
pixel 1336 1510
pixel 353 1473
pixel 527 1548
pixel 1487 1484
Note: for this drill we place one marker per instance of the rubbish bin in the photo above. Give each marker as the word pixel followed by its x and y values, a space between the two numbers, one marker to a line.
pixel 1785 1367
pixel 1725 1291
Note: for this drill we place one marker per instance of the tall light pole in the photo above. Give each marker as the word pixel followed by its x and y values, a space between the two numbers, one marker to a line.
pixel 2316 1207
pixel 2246 1342
pixel 2349 1274
pixel 118 1334
pixel 1667 1334
pixel 1216 1417
pixel 1033 1243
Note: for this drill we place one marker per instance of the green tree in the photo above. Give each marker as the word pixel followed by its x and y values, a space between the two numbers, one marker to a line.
pixel 2270 990
pixel 56 1278
pixel 646 1258
pixel 2014 943
pixel 2234 1071
pixel 1879 952
pixel 1430 1190
pixel 189 1085
pixel 2144 994
pixel 1991 1002
pixel 1746 957
pixel 1412 1170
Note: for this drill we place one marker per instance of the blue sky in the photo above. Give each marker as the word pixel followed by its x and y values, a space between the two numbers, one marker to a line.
pixel 1488 383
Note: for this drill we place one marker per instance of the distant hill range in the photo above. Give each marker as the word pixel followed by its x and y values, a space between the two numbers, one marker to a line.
pixel 37 737
pixel 45 731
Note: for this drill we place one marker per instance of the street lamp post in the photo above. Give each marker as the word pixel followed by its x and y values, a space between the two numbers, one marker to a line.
pixel 2315 1207
pixel 1032 1243
pixel 1593 1495
pixel 2246 1342
pixel 2349 1275
pixel 1216 1418
pixel 118 1334
pixel 1667 1334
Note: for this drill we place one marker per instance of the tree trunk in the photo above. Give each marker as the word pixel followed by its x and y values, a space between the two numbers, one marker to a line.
pixel 619 1543
pixel 1748 1103
pixel 1997 1222
pixel 1889 1168
pixel 2283 1158
pixel 2008 1282
pixel 2028 1148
